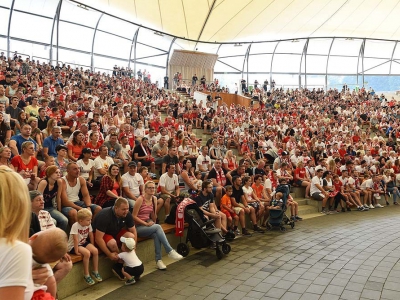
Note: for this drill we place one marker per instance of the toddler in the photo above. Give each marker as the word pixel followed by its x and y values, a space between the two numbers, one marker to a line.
pixel 47 246
pixel 78 244
pixel 197 182
pixel 133 267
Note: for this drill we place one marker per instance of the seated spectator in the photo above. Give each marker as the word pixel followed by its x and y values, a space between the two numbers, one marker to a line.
pixel 61 267
pixel 203 162
pixel 5 132
pixel 50 187
pixel 171 159
pixel 205 200
pixel 94 144
pixel 187 177
pixel 101 164
pixel 218 178
pixel 144 215
pixel 110 187
pixel 51 142
pixel 61 160
pixel 5 155
pixel 86 165
pixel 317 191
pixel 114 151
pixel 168 186
pixel 75 194
pixel 132 184
pixel 76 146
pixel 142 155
pixel 159 150
pixel 239 202
pixel 252 198
pixel 26 165
pixel 300 178
pixel 109 225
pixel 17 140
pixel 229 162
pixel 227 209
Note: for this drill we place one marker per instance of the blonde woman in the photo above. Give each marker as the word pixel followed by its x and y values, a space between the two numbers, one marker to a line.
pixel 50 124
pixel 16 254
pixel 229 162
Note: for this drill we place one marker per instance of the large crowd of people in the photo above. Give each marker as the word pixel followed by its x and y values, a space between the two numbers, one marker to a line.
pixel 121 162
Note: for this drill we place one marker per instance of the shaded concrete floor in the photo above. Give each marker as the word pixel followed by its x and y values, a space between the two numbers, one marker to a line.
pixel 352 255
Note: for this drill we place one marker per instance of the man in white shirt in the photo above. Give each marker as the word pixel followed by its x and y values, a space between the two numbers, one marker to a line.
pixel 203 162
pixel 132 184
pixel 169 188
pixel 102 163
pixel 317 191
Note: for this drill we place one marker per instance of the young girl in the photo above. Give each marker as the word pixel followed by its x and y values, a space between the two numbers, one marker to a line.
pixel 78 244
pixel 197 182
pixel 133 267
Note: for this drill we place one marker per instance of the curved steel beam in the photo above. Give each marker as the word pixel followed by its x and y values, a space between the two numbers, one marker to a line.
pixel 304 53
pixel 327 63
pixel 169 52
pixel 362 61
pixel 391 58
pixel 272 61
pixel 247 61
pixel 94 37
pixel 134 51
pixel 56 16
pixel 132 44
pixel 9 27
pixel 244 61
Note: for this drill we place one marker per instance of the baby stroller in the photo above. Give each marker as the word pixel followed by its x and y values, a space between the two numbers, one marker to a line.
pixel 201 232
pixel 277 217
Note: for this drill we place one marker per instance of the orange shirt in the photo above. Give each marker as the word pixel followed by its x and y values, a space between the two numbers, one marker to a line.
pixel 226 200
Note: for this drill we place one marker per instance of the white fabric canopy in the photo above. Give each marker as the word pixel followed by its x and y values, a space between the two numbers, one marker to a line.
pixel 260 20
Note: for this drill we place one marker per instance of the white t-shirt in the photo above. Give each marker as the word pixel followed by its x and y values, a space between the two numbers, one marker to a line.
pixel 130 259
pixel 133 182
pixel 248 191
pixel 204 161
pixel 85 168
pixel 315 180
pixel 100 163
pixel 16 266
pixel 169 183
pixel 81 231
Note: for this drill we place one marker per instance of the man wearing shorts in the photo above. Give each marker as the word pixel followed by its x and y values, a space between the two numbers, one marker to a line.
pixel 75 194
pixel 169 188
pixel 109 225
pixel 317 191
pixel 238 204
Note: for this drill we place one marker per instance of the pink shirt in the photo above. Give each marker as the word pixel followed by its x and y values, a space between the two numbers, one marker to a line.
pixel 145 211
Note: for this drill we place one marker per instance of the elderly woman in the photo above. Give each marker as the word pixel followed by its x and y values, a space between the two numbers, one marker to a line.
pixel 144 214
pixel 61 160
pixel 26 165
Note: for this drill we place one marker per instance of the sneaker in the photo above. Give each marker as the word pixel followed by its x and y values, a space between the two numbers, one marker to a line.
pixel 245 232
pixel 130 281
pixel 371 206
pixel 175 255
pixel 366 206
pixel 348 209
pixel 378 205
pixel 97 276
pixel 237 232
pixel 298 218
pixel 324 212
pixel 293 218
pixel 89 280
pixel 160 265
pixel 343 209
pixel 258 229
pixel 360 208
pixel 117 270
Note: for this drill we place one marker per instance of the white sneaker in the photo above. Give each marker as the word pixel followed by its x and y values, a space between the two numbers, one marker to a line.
pixel 160 265
pixel 371 206
pixel 175 255
pixel 366 206
pixel 378 205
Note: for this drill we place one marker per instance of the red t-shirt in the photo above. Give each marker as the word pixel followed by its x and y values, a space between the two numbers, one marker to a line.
pixel 76 149
pixel 299 173
pixel 19 164
pixel 95 148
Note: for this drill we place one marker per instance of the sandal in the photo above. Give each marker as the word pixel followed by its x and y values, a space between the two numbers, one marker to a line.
pixel 89 280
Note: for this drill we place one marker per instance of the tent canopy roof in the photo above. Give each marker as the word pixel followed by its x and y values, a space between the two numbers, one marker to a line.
pixel 260 20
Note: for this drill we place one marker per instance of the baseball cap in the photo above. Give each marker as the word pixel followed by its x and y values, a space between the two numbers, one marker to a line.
pixel 284 153
pixel 132 164
pixel 129 242
pixel 80 114
pixel 87 150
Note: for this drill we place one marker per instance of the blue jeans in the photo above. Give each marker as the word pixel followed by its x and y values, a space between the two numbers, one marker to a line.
pixel 66 209
pixel 62 221
pixel 158 235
